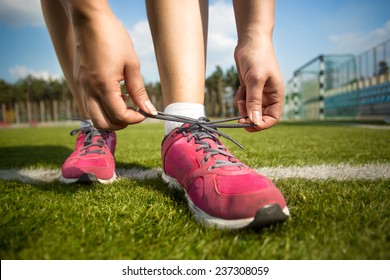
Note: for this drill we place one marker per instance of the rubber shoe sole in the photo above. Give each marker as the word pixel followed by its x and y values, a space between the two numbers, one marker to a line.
pixel 87 178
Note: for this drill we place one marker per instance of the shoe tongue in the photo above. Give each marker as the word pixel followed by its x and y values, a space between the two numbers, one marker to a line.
pixel 185 125
pixel 94 143
pixel 97 140
pixel 208 138
pixel 215 144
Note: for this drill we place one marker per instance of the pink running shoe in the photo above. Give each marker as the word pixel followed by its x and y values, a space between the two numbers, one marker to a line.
pixel 93 158
pixel 221 191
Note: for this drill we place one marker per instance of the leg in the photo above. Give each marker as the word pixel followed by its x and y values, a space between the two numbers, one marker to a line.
pixel 220 190
pixel 61 34
pixel 179 30
pixel 93 157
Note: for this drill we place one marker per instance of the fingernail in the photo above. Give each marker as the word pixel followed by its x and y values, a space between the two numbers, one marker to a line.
pixel 241 107
pixel 256 117
pixel 151 109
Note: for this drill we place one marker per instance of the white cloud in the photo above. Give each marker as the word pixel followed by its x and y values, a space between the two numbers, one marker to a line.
pixel 22 71
pixel 222 37
pixel 140 33
pixel 21 12
pixel 382 32
pixel 356 42
pixel 143 44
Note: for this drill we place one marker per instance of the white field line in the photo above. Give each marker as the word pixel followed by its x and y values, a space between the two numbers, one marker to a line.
pixel 319 172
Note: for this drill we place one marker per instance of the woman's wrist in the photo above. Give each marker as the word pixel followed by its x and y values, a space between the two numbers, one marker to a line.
pixel 252 35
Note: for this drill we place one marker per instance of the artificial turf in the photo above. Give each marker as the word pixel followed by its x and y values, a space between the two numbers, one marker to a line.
pixel 143 219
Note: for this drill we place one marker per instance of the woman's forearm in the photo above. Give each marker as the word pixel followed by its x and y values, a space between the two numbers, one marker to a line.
pixel 254 18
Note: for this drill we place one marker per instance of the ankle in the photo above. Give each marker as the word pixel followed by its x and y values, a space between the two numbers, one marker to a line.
pixel 192 110
pixel 86 123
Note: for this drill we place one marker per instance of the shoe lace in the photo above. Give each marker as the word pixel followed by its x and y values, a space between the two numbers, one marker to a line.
pixel 90 133
pixel 201 129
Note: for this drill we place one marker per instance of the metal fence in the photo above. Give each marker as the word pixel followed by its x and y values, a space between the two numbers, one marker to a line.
pixel 341 87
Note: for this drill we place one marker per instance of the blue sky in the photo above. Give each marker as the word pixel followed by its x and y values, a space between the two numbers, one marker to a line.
pixel 304 29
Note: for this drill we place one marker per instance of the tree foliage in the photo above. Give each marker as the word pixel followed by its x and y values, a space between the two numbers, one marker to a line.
pixel 33 89
pixel 218 91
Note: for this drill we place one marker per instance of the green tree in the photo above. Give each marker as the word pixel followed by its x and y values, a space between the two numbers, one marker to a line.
pixel 220 89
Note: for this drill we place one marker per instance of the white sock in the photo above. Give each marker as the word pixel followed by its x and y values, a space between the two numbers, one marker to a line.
pixel 85 123
pixel 192 110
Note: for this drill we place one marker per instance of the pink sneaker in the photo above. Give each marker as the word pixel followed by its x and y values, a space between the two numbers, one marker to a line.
pixel 221 191
pixel 93 158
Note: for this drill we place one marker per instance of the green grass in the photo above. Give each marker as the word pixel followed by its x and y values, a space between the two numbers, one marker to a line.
pixel 134 219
